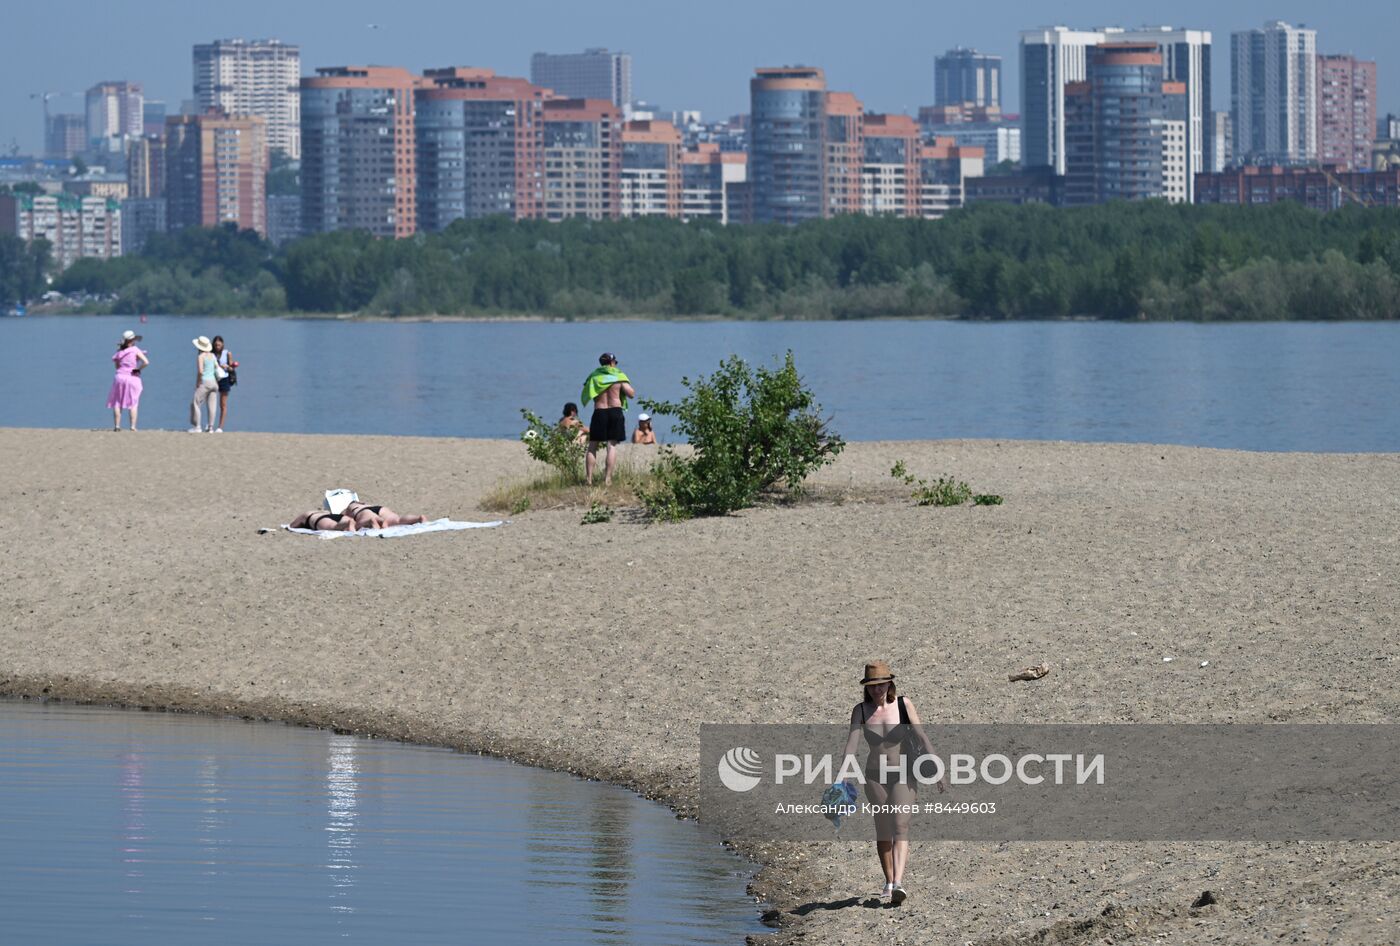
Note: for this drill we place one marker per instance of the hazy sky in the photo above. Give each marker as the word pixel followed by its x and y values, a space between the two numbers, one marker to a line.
pixel 697 54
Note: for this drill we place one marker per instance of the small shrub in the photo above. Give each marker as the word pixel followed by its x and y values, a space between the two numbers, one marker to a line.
pixel 944 491
pixel 597 512
pixel 751 430
pixel 520 505
pixel 986 499
pixel 553 445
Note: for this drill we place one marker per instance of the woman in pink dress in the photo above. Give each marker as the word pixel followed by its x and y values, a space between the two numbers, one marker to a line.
pixel 126 386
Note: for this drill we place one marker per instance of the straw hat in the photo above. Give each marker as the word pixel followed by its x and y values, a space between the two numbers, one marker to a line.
pixel 203 344
pixel 877 672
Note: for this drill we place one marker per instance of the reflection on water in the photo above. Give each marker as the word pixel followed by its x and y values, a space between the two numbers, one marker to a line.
pixel 121 826
pixel 340 821
pixel 1269 386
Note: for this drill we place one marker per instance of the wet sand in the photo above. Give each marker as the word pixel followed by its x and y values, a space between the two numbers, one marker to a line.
pixel 133 572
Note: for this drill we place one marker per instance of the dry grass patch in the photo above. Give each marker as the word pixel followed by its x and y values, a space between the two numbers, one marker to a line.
pixel 555 490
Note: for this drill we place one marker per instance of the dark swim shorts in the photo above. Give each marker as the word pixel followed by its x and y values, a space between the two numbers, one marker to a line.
pixel 607 426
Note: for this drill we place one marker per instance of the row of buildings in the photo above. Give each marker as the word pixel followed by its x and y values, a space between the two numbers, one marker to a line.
pixel 394 153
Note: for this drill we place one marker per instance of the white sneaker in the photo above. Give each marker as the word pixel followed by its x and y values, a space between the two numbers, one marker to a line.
pixel 218 430
pixel 194 430
pixel 898 896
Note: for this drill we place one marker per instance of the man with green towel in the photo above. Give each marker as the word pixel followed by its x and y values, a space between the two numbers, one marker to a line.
pixel 608 387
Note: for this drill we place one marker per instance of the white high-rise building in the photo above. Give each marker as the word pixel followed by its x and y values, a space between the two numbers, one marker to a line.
pixel 1050 57
pixel 253 78
pixel 1222 142
pixel 1273 94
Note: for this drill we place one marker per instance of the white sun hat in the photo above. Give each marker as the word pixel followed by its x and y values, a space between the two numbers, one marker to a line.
pixel 641 417
pixel 338 499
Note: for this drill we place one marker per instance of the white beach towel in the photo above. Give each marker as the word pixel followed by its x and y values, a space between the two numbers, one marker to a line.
pixel 398 532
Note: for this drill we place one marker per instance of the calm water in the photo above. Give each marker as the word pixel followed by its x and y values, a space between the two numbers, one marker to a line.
pixel 118 826
pixel 1272 386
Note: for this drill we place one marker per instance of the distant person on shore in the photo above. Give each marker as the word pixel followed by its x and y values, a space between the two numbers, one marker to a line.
pixel 894 733
pixel 608 387
pixel 644 434
pixel 227 375
pixel 570 421
pixel 126 386
pixel 206 384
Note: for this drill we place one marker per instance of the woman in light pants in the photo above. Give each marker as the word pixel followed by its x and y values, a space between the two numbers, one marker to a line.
pixel 206 385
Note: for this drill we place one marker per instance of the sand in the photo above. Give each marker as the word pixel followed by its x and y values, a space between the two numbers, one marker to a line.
pixel 133 571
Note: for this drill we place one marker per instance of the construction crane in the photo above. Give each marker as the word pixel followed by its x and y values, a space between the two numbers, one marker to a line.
pixel 44 97
pixel 1342 189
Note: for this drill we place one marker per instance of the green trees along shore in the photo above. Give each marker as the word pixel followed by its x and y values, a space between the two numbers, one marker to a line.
pixel 1146 260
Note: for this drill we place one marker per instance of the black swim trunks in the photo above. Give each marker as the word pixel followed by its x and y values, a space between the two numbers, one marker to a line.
pixel 608 425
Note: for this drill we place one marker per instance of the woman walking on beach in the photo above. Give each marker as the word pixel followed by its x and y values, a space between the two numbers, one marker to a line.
pixel 206 385
pixel 126 386
pixel 893 732
pixel 227 375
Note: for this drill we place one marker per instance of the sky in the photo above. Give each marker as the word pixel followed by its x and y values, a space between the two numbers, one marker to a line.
pixel 696 54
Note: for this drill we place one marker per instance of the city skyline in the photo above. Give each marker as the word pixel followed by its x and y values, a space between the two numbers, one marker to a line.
pixel 671 68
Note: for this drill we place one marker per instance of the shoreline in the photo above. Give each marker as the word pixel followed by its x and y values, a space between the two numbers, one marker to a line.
pixel 145 589
pixel 543 319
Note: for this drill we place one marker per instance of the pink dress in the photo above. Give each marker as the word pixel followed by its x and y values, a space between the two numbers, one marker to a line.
pixel 126 387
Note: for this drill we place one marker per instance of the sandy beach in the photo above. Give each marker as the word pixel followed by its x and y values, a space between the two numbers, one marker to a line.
pixel 133 571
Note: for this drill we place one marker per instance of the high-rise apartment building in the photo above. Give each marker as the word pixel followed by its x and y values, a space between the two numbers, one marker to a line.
pixel 786 143
pixel 1222 144
pixel 114 116
pixel 711 179
pixel 591 74
pixel 890 181
pixel 358 150
pixel 1273 94
pixel 651 169
pixel 480 141
pixel 216 171
pixel 967 76
pixel 1177 176
pixel 145 167
pixel 1186 58
pixel 1051 58
pixel 582 159
pixel 76 227
pixel 1114 126
pixel 1346 111
pixel 844 153
pixel 259 78
pixel 65 136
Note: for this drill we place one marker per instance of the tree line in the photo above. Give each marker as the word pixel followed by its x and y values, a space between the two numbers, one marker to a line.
pixel 1146 260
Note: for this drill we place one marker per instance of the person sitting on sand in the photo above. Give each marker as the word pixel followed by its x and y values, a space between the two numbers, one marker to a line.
pixel 892 730
pixel 644 433
pixel 366 516
pixel 319 520
pixel 570 420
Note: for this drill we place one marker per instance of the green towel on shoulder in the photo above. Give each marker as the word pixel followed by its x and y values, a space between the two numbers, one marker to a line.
pixel 599 380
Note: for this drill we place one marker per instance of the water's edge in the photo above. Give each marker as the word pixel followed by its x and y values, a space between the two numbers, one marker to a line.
pixel 672 790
